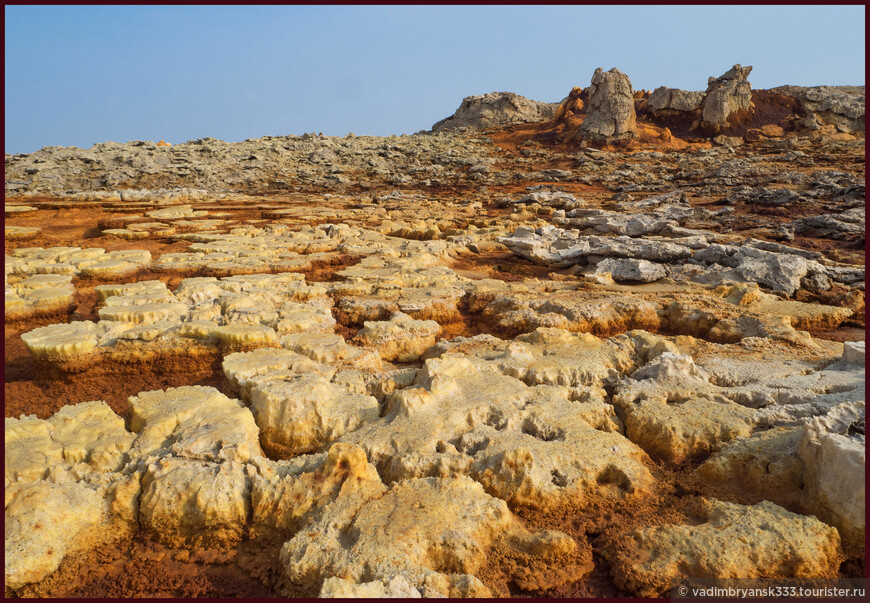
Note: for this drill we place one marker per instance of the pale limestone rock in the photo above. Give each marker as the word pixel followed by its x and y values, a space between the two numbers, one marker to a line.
pixel 140 288
pixel 527 445
pixel 179 211
pixel 157 296
pixel 726 95
pixel 401 338
pixel 46 522
pixel 853 352
pixel 56 342
pixel 765 464
pixel 198 289
pixel 204 312
pixel 296 317
pixel 126 233
pixel 302 412
pixel 430 531
pixel 146 313
pixel 396 587
pixel 598 313
pixel 193 422
pixel 30 451
pixel 449 398
pixel 736 541
pixel 19 209
pixel 198 329
pixel 110 269
pixel 550 356
pixel 632 270
pixel 610 111
pixel 37 295
pixel 73 341
pixel 670 411
pixel 671 367
pixel 150 332
pixel 673 99
pixel 284 503
pixel 241 368
pixel 74 261
pixel 493 110
pixel 379 383
pixel 91 433
pixel 562 453
pixel 834 454
pixel 77 441
pixel 194 503
pixel 246 335
pixel 331 349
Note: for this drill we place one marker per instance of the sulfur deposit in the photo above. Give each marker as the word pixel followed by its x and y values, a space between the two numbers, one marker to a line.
pixel 581 349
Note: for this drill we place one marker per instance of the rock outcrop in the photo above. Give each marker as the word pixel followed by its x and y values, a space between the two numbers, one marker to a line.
pixel 833 450
pixel 495 109
pixel 674 99
pixel 728 95
pixel 610 112
pixel 841 106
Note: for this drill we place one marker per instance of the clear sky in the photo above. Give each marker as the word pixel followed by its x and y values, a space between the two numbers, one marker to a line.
pixel 77 75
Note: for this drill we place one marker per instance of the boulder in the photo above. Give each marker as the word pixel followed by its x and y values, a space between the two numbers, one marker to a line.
pixel 610 114
pixel 194 503
pixel 302 412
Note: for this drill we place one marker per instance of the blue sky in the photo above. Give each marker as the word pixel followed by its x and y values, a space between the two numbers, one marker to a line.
pixel 80 75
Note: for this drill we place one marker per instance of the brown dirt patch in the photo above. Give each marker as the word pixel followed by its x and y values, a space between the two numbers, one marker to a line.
pixel 33 387
pixel 139 567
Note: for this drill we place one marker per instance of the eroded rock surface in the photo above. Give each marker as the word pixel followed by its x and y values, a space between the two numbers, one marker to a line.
pixel 449 364
pixel 434 532
pixel 735 541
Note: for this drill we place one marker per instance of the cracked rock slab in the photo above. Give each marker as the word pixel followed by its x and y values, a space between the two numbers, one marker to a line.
pixel 735 541
pixel 833 449
pixel 298 413
pixel 401 338
pixel 192 422
pixel 434 532
pixel 189 503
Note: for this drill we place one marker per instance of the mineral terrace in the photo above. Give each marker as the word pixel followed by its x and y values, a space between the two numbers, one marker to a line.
pixel 572 349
